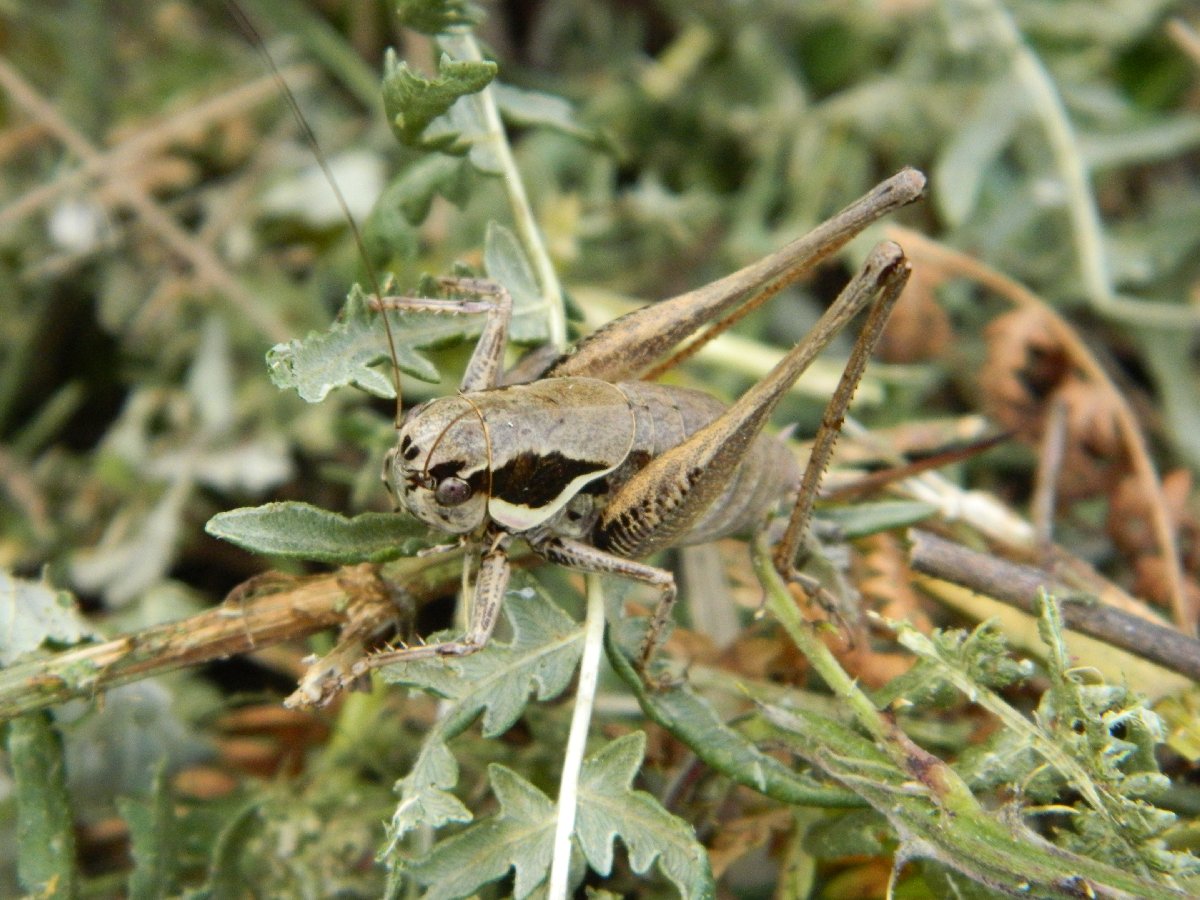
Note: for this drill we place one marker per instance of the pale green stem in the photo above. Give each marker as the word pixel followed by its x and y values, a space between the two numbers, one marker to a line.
pixel 955 793
pixel 581 720
pixel 465 47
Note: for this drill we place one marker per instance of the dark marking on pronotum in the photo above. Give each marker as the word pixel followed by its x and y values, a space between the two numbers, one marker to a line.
pixel 536 479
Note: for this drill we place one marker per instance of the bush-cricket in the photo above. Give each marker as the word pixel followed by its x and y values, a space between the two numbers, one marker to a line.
pixel 596 469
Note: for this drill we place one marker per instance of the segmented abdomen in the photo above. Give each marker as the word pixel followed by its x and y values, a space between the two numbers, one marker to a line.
pixel 665 416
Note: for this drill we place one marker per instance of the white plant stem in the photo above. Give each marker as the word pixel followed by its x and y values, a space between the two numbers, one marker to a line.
pixel 581 720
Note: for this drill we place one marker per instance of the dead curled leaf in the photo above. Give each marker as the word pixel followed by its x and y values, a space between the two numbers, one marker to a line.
pixel 919 328
pixel 1028 370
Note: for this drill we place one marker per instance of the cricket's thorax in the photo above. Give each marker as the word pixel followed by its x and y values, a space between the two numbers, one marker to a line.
pixel 546 455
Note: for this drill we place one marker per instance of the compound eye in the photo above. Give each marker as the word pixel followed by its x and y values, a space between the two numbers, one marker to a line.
pixel 452 492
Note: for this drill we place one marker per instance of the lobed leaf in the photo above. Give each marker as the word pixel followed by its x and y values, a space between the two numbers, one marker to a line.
pixel 412 102
pixel 496 682
pixel 610 808
pixel 520 836
pixel 346 353
pixel 301 531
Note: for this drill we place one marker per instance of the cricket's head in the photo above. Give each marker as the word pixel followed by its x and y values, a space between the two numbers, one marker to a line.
pixel 439 468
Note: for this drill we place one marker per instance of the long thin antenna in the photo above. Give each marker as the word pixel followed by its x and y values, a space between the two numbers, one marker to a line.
pixel 252 34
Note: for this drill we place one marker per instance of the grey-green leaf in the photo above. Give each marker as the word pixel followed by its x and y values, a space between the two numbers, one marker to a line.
pixel 413 191
pixel 300 531
pixel 412 102
pixel 863 519
pixel 152 832
pixel 345 354
pixel 610 808
pixel 45 848
pixel 521 836
pixel 983 134
pixel 33 612
pixel 497 681
pixel 525 107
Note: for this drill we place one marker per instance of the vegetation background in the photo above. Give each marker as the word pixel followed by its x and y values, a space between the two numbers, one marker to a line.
pixel 162 226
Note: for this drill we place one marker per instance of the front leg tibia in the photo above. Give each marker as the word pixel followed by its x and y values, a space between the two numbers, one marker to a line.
pixel 490 586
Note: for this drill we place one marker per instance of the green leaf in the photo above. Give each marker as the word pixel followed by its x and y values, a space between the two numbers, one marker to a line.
pixel 301 531
pixel 413 102
pixel 863 519
pixel 45 848
pixel 692 719
pixel 151 822
pixel 610 808
pixel 521 836
pixel 32 613
pixel 413 191
pixel 437 16
pixel 496 681
pixel 537 108
pixel 979 140
pixel 346 352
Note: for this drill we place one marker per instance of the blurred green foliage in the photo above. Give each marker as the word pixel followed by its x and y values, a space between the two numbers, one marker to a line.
pixel 162 226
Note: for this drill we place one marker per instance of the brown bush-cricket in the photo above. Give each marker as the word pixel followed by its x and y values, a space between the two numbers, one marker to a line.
pixel 595 468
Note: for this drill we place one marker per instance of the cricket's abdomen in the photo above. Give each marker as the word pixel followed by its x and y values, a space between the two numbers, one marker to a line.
pixel 666 416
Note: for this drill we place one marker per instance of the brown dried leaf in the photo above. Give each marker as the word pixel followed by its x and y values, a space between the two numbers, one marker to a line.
pixel 885 580
pixel 919 328
pixel 1095 456
pixel 1025 365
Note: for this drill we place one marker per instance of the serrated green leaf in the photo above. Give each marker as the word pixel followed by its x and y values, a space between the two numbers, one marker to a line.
pixel 437 16
pixel 693 720
pixel 301 531
pixel 520 836
pixel 413 191
pixel 496 681
pixel 425 791
pixel 525 107
pixel 32 613
pixel 45 848
pixel 505 262
pixel 610 808
pixel 346 352
pixel 413 102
